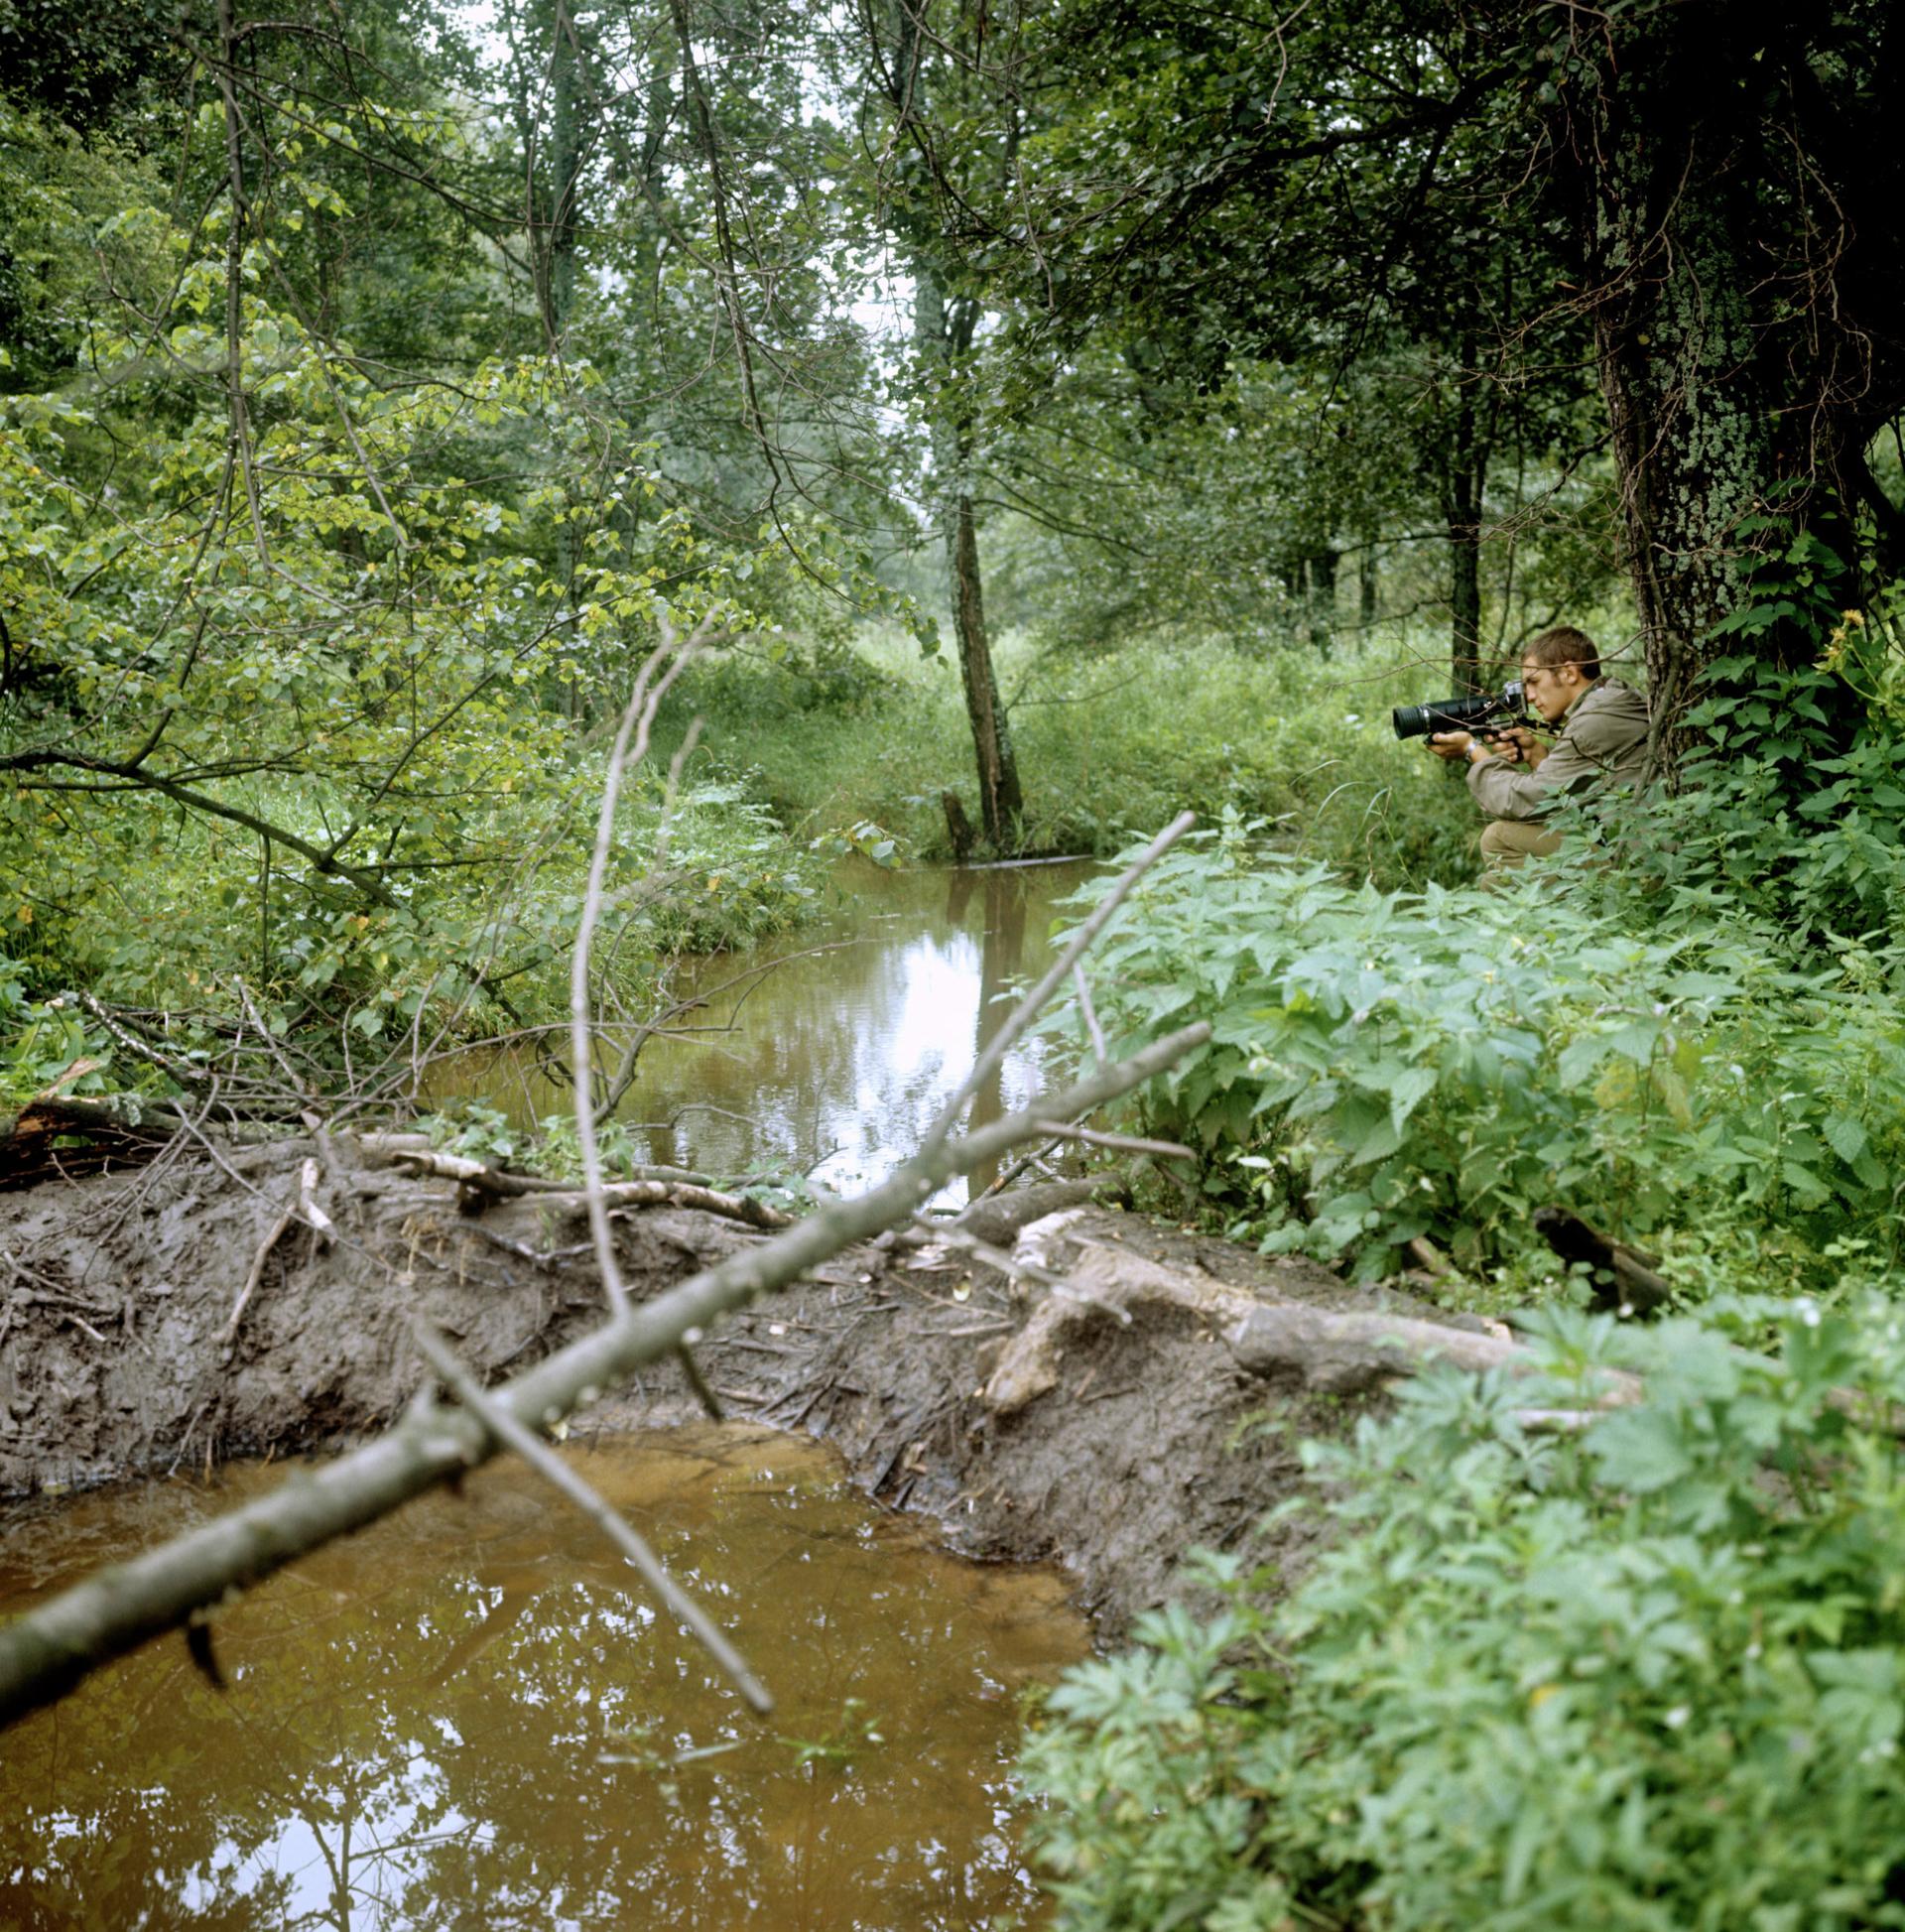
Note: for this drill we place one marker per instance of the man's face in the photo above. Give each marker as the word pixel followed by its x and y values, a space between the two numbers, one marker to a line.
pixel 1552 688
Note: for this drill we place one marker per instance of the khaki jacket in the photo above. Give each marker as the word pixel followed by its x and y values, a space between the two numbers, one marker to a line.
pixel 1604 741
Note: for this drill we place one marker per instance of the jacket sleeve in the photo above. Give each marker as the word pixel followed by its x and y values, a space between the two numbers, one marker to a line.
pixel 1504 791
pixel 1604 741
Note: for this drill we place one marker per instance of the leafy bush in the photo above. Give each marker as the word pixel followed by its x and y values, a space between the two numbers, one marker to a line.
pixel 1388 1065
pixel 1648 1677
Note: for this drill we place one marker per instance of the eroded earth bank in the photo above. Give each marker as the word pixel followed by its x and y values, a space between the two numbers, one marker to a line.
pixel 1109 1422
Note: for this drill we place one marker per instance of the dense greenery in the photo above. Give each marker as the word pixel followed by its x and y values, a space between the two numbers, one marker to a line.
pixel 1646 1678
pixel 1111 744
pixel 1643 1674
pixel 378 385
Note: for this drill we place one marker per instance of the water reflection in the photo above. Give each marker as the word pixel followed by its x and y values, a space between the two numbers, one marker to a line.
pixel 836 1062
pixel 468 1717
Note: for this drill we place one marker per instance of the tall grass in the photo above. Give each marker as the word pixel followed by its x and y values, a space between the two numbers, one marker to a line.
pixel 1107 746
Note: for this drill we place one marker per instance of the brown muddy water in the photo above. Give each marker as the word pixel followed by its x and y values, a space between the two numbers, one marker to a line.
pixel 832 1063
pixel 471 1715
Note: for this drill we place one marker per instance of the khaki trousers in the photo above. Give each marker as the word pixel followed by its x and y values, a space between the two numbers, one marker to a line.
pixel 1508 843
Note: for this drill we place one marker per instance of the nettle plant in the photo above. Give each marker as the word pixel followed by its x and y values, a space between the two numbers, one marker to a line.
pixel 1792 799
pixel 1644 1677
pixel 1389 1065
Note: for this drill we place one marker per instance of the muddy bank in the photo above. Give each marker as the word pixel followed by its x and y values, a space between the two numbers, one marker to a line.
pixel 1104 1424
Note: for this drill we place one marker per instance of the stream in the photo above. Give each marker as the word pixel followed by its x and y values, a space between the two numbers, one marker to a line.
pixel 471 1715
pixel 826 1052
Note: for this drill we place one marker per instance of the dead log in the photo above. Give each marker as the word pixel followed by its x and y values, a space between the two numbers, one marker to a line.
pixel 53 1138
pixel 1101 1283
pixel 1349 1354
pixel 998 1218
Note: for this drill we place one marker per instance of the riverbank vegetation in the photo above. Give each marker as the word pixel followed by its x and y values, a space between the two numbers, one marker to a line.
pixel 1046 421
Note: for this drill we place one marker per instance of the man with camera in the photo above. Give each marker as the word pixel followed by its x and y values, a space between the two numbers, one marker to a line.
pixel 1517 780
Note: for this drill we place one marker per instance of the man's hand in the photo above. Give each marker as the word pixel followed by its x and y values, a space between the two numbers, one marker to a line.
pixel 1459 744
pixel 1519 743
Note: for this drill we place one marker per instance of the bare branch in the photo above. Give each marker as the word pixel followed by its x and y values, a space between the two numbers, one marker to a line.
pixel 1121 1143
pixel 637 719
pixel 511 1434
pixel 1082 987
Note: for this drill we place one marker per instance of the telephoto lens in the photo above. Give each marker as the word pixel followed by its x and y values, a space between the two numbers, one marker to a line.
pixel 1451 715
pixel 1459 714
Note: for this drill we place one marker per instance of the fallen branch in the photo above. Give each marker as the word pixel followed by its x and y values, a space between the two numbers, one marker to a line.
pixel 300 1207
pixel 508 1433
pixel 58 1644
pixel 998 1218
pixel 671 1194
pixel 1347 1353
pixel 655 1187
pixel 1121 1143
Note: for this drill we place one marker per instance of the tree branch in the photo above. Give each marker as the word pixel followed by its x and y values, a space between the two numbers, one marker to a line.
pixel 56 1645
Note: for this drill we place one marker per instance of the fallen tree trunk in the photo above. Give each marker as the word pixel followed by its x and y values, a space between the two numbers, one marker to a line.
pixel 1350 1353
pixel 53 1646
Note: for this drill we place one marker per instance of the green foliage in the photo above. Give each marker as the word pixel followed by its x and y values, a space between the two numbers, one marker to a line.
pixel 43 1042
pixel 1792 800
pixel 1648 1678
pixel 1108 748
pixel 1388 1065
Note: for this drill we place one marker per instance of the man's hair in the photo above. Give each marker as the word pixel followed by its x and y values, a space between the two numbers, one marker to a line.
pixel 1566 645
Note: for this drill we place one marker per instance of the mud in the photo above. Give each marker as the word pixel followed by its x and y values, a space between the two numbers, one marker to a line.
pixel 1143 1440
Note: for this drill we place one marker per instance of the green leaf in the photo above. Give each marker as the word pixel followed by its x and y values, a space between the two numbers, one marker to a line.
pixel 1640 1449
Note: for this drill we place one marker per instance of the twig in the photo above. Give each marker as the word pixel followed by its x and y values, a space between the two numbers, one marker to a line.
pixel 1084 990
pixel 302 1207
pixel 637 721
pixel 314 1217
pixel 511 1434
pixel 703 1394
pixel 1123 1143
pixel 646 1192
pixel 257 1273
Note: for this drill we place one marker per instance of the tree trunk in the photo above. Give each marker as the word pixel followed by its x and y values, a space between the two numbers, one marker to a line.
pixel 1319 597
pixel 564 157
pixel 942 330
pixel 1692 436
pixel 1662 165
pixel 1368 601
pixel 1000 802
pixel 1464 468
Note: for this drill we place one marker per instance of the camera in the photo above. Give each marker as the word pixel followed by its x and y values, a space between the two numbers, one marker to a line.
pixel 1484 711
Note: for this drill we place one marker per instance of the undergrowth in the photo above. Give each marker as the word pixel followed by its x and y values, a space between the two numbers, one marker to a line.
pixel 1562 1666
pixel 1108 746
pixel 1648 1677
